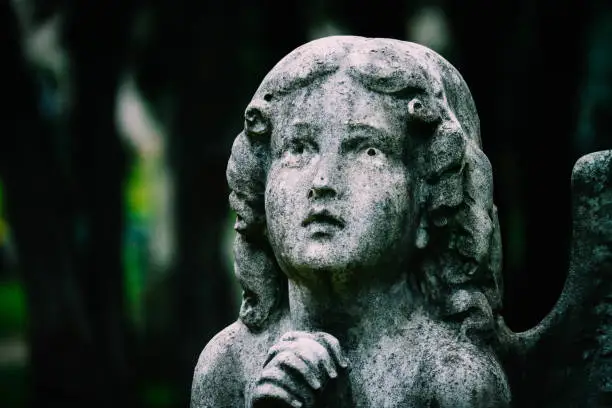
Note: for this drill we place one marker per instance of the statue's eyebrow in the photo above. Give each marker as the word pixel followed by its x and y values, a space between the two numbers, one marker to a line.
pixel 368 131
pixel 294 130
pixel 303 126
pixel 370 128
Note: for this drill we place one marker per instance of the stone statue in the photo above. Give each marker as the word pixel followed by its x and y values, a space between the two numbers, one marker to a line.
pixel 369 252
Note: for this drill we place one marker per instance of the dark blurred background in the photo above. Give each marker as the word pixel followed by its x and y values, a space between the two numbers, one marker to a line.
pixel 118 117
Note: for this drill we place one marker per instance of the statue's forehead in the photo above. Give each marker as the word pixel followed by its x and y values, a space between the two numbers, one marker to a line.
pixel 342 98
pixel 386 65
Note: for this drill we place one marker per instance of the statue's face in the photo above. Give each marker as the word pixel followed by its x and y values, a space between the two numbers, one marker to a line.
pixel 338 193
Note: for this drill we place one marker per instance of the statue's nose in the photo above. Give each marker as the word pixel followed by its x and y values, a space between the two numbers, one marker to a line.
pixel 324 183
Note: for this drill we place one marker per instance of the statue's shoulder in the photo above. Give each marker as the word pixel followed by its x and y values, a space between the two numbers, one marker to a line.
pixel 218 380
pixel 230 358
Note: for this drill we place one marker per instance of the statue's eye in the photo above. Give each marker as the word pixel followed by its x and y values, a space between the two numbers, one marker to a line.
pixel 297 153
pixel 372 152
pixel 297 148
pixel 369 154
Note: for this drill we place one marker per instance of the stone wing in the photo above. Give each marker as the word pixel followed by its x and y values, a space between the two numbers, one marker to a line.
pixel 566 361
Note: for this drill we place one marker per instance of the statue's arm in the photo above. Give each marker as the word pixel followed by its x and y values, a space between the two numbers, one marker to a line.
pixel 216 380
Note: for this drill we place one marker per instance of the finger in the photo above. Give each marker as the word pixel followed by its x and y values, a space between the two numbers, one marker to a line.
pixel 301 367
pixel 315 351
pixel 312 350
pixel 279 373
pixel 276 349
pixel 333 345
pixel 294 385
pixel 306 350
pixel 291 341
pixel 328 364
pixel 284 342
pixel 329 342
pixel 295 335
pixel 267 392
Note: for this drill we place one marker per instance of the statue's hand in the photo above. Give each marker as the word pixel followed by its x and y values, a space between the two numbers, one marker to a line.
pixel 297 367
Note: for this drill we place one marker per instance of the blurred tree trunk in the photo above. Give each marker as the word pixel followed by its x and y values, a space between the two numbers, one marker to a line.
pixel 96 36
pixel 64 198
pixel 39 210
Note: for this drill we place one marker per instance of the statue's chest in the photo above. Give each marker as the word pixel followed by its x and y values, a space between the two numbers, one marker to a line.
pixel 383 375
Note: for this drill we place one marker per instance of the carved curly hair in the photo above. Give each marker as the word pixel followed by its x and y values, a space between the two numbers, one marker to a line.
pixel 458 242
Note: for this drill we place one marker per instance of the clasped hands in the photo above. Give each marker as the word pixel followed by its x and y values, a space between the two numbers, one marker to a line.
pixel 296 370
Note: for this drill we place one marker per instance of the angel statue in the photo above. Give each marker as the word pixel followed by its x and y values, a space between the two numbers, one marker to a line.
pixel 369 253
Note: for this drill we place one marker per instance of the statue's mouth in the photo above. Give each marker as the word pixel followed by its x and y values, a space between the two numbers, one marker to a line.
pixel 323 216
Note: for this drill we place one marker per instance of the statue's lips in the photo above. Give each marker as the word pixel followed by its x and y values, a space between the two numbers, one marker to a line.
pixel 323 217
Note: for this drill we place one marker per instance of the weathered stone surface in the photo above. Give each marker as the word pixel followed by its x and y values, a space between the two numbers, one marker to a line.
pixel 368 245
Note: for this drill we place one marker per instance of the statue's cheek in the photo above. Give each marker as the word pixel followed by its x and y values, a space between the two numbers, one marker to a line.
pixel 382 197
pixel 283 202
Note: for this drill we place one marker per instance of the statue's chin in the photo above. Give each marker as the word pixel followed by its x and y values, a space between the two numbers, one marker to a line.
pixel 328 264
pixel 312 267
pixel 338 258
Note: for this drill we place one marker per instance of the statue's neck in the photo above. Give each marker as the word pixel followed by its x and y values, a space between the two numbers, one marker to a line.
pixel 345 312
